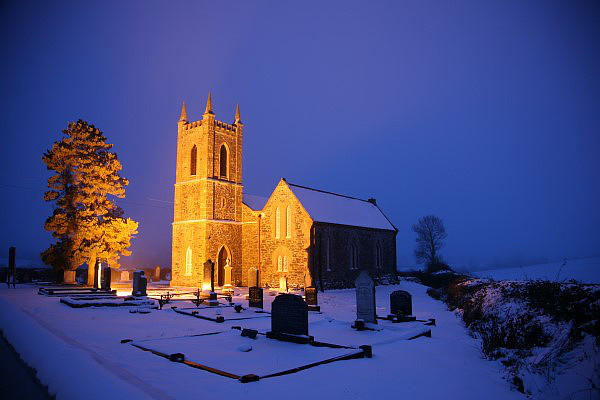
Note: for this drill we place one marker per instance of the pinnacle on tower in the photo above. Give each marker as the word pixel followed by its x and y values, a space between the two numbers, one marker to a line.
pixel 237 115
pixel 183 116
pixel 208 106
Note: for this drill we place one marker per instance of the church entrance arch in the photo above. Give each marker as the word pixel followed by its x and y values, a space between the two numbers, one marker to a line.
pixel 222 258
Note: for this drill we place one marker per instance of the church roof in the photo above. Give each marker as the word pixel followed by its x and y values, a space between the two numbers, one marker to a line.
pixel 256 203
pixel 339 209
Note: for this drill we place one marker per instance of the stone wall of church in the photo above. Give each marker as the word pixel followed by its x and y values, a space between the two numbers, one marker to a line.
pixel 186 235
pixel 295 247
pixel 249 241
pixel 333 267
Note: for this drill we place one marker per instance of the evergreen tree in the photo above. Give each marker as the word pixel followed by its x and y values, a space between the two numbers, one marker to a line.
pixel 87 224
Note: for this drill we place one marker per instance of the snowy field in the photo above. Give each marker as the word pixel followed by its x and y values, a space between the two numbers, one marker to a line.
pixel 79 354
pixel 586 270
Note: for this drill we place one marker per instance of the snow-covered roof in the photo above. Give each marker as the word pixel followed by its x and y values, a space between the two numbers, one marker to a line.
pixel 256 203
pixel 338 209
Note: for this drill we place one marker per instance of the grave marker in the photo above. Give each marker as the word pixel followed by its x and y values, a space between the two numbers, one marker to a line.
pixel 255 298
pixel 365 298
pixel 139 283
pixel 105 280
pixel 310 293
pixel 289 316
pixel 401 303
pixel 208 276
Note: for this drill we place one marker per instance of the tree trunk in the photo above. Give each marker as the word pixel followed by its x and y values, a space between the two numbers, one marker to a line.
pixel 91 269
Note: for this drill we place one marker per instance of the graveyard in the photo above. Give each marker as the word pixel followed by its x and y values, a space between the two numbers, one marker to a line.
pixel 180 342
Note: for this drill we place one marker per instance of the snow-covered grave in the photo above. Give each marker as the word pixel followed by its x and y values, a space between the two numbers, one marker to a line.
pixel 78 352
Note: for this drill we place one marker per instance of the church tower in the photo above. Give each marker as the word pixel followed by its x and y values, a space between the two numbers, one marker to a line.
pixel 207 221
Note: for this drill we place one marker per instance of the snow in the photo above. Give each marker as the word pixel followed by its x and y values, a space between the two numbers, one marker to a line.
pixel 585 270
pixel 337 209
pixel 79 354
pixel 255 202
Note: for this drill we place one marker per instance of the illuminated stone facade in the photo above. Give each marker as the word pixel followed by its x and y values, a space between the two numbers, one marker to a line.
pixel 278 236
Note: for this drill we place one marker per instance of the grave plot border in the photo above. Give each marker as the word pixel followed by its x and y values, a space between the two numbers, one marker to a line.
pixel 67 292
pixel 365 351
pixel 124 303
pixel 217 319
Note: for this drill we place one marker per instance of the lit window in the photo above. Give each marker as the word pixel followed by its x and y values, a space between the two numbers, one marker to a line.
pixel 277 223
pixel 288 222
pixel 193 157
pixel 285 264
pixel 279 266
pixel 223 162
pixel 188 262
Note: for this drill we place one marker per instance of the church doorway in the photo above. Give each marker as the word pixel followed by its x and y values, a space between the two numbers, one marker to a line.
pixel 221 262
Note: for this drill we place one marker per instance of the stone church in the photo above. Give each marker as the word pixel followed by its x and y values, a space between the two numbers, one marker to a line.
pixel 295 237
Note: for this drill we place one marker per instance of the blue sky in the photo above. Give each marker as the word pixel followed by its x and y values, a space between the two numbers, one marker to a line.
pixel 483 113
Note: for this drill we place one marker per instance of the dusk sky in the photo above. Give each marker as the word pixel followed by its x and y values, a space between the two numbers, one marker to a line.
pixel 486 114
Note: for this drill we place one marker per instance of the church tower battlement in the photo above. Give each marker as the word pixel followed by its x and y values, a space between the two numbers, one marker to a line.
pixel 208 197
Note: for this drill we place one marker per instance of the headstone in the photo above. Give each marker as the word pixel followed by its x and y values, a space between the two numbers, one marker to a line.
pixel 252 277
pixel 283 284
pixel 310 293
pixel 311 296
pixel 289 315
pixel 97 272
pixel 70 276
pixel 255 298
pixel 365 298
pixel 124 276
pixel 400 303
pixel 157 274
pixel 105 280
pixel 11 273
pixel 139 283
pixel 208 277
pixel 227 286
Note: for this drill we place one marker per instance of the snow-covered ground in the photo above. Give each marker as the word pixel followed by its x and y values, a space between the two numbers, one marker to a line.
pixel 586 270
pixel 77 352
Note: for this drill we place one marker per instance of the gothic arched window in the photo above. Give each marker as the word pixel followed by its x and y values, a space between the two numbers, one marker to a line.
pixel 188 262
pixel 288 222
pixel 223 162
pixel 378 256
pixel 279 264
pixel 285 264
pixel 277 223
pixel 193 157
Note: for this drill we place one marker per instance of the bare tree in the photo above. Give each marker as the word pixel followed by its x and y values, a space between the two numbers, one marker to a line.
pixel 430 239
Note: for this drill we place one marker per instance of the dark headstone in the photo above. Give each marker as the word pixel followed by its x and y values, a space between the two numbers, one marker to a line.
pixel 97 272
pixel 365 298
pixel 310 293
pixel 11 273
pixel 106 277
pixel 311 296
pixel 208 276
pixel 289 315
pixel 250 333
pixel 400 303
pixel 139 283
pixel 255 298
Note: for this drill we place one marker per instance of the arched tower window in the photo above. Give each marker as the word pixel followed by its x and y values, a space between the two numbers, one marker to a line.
pixel 279 264
pixel 193 157
pixel 188 260
pixel 378 256
pixel 277 223
pixel 285 264
pixel 223 162
pixel 288 222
